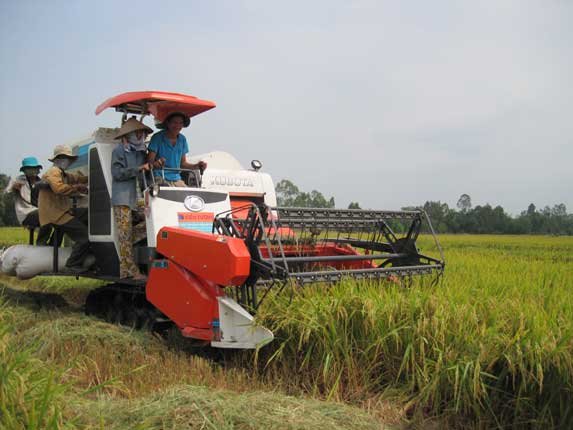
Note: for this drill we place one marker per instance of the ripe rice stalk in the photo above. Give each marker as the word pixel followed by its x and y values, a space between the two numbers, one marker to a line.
pixel 492 341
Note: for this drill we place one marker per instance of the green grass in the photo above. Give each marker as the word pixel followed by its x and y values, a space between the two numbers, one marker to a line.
pixel 13 235
pixel 490 346
pixel 194 407
pixel 29 391
pixel 60 369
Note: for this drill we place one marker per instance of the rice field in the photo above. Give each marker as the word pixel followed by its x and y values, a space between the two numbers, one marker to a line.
pixel 12 235
pixel 490 345
pixel 491 342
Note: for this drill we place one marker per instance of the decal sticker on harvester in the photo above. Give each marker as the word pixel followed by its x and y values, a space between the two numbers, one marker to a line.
pixel 200 221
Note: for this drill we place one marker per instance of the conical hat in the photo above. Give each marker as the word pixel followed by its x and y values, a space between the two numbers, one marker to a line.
pixel 132 125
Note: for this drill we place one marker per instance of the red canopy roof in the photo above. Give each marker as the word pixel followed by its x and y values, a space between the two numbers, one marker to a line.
pixel 157 103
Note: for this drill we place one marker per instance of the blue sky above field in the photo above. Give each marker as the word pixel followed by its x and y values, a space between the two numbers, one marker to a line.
pixel 384 103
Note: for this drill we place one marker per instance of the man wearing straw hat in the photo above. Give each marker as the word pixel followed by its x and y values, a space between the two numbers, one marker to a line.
pixel 55 205
pixel 26 198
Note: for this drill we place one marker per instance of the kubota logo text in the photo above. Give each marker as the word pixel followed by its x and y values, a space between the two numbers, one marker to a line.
pixel 232 180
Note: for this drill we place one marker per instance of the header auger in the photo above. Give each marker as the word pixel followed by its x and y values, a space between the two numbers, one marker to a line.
pixel 215 247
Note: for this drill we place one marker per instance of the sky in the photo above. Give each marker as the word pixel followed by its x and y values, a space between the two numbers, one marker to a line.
pixel 385 103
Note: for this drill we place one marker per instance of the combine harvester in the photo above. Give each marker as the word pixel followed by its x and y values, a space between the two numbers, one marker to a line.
pixel 216 248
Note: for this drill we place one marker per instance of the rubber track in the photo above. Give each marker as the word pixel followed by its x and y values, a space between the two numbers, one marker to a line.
pixel 126 305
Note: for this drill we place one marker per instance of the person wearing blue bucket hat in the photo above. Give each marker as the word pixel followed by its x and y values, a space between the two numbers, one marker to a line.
pixel 26 198
pixel 30 163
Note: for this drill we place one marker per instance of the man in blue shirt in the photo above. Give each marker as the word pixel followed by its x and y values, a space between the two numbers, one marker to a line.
pixel 168 149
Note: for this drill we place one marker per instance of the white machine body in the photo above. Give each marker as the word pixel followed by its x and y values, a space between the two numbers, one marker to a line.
pixel 225 185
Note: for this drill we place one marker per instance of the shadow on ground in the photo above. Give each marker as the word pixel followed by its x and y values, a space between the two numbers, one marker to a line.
pixel 167 332
pixel 35 300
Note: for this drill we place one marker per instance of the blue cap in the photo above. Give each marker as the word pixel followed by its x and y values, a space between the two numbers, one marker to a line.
pixel 30 162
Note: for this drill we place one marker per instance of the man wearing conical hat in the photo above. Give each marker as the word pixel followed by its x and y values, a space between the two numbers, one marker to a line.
pixel 26 198
pixel 55 204
pixel 127 161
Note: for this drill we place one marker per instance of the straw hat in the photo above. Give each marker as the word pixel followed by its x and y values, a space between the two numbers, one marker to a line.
pixel 62 151
pixel 30 162
pixel 132 125
pixel 163 124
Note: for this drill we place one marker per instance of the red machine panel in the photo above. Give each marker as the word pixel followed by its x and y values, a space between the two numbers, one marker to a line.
pixel 219 259
pixel 190 302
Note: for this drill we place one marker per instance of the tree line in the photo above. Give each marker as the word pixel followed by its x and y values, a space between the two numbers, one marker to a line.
pixel 494 220
pixel 463 219
pixel 289 195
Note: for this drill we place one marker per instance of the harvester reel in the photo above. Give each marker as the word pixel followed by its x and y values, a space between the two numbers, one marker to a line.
pixel 316 245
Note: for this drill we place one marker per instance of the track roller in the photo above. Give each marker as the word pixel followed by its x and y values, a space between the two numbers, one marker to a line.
pixel 125 305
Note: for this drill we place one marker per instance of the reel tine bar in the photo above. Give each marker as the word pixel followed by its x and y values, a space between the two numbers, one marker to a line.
pixel 325 245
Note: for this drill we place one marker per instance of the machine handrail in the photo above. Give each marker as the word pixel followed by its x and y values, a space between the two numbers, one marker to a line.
pixel 197 173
